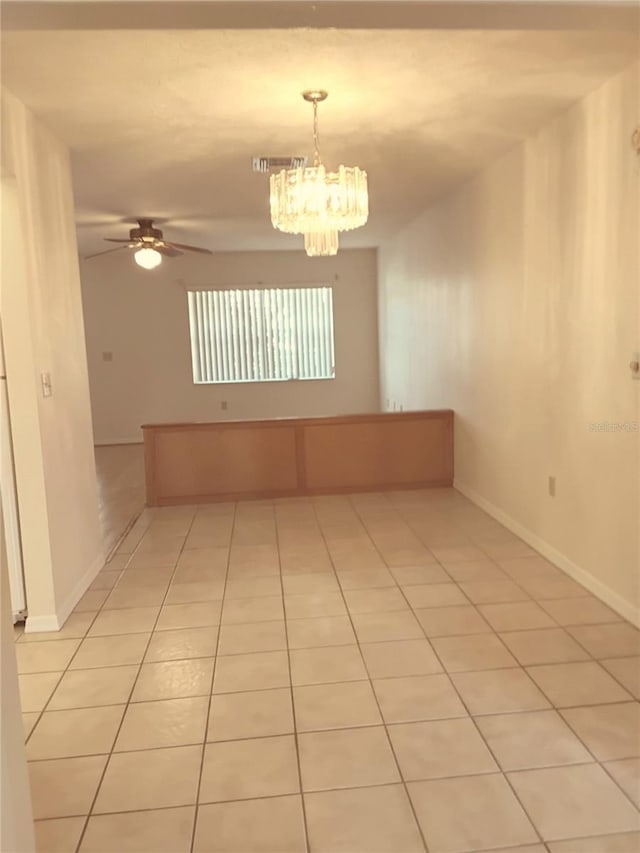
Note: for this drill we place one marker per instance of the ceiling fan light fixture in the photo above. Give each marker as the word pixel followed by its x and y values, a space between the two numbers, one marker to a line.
pixel 309 200
pixel 147 258
pixel 149 245
pixel 321 243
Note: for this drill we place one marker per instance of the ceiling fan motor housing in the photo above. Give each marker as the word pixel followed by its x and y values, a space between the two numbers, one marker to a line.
pixel 145 231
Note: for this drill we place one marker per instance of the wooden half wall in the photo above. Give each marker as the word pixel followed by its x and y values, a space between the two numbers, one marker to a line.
pixel 235 460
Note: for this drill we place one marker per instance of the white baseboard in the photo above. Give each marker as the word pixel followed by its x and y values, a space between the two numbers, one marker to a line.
pixel 37 624
pixel 625 608
pixel 55 621
pixel 107 442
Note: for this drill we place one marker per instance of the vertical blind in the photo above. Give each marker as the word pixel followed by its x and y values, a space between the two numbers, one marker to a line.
pixel 261 335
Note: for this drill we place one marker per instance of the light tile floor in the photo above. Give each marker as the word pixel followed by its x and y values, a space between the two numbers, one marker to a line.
pixel 120 478
pixel 386 672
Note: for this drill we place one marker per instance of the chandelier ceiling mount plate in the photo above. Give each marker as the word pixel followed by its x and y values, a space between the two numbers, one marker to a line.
pixel 315 96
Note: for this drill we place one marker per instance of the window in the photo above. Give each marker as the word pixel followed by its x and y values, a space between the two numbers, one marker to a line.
pixel 261 335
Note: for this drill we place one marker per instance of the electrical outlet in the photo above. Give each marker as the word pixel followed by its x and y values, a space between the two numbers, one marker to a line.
pixel 552 487
pixel 223 405
pixel 107 356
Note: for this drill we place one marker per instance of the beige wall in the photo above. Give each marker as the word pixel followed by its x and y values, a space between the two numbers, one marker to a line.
pixel 16 822
pixel 141 317
pixel 514 301
pixel 22 369
pixel 41 312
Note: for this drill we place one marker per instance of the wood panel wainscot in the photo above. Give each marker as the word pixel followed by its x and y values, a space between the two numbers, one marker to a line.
pixel 235 460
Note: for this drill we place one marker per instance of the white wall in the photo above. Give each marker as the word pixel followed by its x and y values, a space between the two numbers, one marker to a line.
pixel 41 312
pixel 16 821
pixel 141 317
pixel 22 369
pixel 514 301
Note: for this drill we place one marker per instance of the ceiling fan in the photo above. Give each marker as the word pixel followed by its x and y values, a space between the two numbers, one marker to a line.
pixel 149 245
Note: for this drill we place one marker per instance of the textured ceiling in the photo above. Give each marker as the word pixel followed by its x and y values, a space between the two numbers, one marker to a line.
pixel 165 123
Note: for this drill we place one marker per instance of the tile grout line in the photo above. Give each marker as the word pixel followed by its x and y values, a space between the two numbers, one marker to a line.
pixel 505 712
pixel 58 682
pixel 334 790
pixel 558 711
pixel 526 665
pixel 599 762
pixel 470 717
pixel 494 630
pixel 90 812
pixel 196 812
pixel 510 630
pixel 281 575
pixel 603 764
pixel 499 767
pixel 545 844
pixel 213 677
pixel 168 631
pixel 62 675
pixel 452 580
pixel 345 728
pixel 127 529
pixel 476 727
pixel 303 806
pixel 403 782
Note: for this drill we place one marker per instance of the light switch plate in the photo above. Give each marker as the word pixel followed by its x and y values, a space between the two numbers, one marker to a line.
pixel 46 384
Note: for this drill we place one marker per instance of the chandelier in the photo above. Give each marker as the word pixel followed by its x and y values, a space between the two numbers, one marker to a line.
pixel 318 243
pixel 317 203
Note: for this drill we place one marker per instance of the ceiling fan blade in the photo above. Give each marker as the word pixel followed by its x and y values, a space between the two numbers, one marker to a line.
pixel 113 240
pixel 106 252
pixel 167 250
pixel 188 248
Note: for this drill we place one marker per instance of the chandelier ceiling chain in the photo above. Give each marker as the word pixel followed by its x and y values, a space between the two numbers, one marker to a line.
pixel 315 96
pixel 316 135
